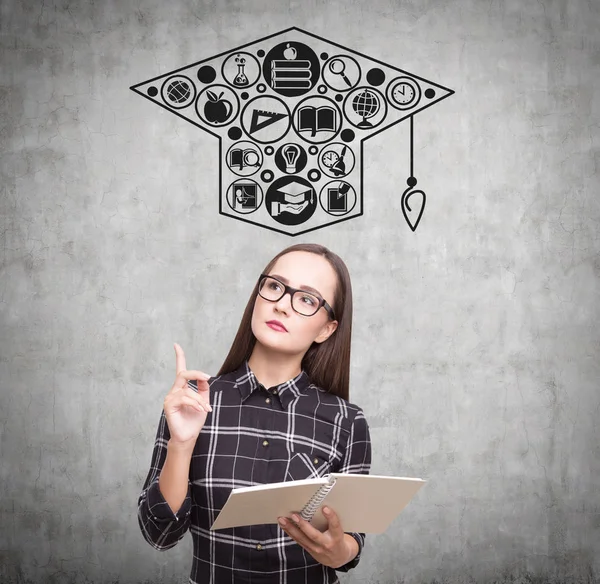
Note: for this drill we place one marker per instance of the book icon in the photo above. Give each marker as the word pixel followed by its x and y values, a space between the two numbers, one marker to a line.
pixel 241 158
pixel 317 119
pixel 291 74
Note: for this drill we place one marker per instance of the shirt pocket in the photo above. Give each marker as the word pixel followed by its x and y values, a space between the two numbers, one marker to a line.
pixel 307 465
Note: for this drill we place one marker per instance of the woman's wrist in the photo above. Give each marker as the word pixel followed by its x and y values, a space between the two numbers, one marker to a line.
pixel 185 448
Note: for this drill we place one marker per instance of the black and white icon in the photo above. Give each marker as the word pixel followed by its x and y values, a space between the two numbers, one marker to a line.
pixel 266 119
pixel 337 197
pixel 178 91
pixel 341 73
pixel 217 105
pixel 336 160
pixel 403 93
pixel 244 196
pixel 365 107
pixel 291 200
pixel 291 69
pixel 291 158
pixel 292 112
pixel 244 158
pixel 317 119
pixel 241 70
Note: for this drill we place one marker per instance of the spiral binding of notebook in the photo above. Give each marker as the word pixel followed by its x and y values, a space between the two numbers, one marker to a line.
pixel 315 501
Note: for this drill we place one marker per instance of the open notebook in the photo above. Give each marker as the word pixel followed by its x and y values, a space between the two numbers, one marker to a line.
pixel 364 503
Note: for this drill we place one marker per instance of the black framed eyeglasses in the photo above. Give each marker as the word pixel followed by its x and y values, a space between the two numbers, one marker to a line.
pixel 303 302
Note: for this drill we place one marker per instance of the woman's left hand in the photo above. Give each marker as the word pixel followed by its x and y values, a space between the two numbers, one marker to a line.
pixel 330 547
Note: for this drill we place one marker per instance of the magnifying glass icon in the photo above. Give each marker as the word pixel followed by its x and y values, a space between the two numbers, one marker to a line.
pixel 337 66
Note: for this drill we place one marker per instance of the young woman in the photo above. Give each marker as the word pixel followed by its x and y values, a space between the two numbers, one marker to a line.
pixel 277 410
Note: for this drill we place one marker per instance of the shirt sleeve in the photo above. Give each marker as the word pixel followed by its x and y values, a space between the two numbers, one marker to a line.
pixel 161 528
pixel 357 459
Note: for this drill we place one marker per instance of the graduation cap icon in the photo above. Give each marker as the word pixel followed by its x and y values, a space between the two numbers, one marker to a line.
pixel 295 87
pixel 296 193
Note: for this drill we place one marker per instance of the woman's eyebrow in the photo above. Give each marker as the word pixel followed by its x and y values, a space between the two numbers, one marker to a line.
pixel 302 286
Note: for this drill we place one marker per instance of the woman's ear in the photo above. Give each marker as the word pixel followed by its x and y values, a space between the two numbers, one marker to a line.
pixel 327 330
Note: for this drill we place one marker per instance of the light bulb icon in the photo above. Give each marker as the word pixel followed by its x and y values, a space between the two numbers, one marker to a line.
pixel 291 152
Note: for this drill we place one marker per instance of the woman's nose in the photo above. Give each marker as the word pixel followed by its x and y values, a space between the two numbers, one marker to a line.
pixel 285 302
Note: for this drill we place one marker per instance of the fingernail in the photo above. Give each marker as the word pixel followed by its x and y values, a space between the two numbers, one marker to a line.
pixel 295 517
pixel 282 521
pixel 326 510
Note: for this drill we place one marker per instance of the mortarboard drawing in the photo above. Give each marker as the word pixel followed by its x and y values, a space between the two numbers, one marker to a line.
pixel 292 112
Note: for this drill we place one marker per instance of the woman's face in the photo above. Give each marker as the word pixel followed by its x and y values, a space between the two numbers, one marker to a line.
pixel 306 271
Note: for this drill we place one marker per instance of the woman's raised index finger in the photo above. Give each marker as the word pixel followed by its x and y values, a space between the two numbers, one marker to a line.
pixel 179 359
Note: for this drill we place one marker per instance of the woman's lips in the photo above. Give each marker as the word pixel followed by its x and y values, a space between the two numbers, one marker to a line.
pixel 276 326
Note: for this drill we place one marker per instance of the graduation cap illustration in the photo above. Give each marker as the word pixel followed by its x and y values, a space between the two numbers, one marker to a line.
pixel 305 106
pixel 295 193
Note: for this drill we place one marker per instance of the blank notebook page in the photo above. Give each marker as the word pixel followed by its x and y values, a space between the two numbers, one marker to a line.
pixel 364 504
pixel 266 503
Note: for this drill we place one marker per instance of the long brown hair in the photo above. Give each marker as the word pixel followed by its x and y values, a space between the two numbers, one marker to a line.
pixel 328 363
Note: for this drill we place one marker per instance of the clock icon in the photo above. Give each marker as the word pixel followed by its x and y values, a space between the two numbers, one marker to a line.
pixel 330 157
pixel 404 93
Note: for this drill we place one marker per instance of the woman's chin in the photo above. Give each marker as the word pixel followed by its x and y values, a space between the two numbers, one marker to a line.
pixel 274 340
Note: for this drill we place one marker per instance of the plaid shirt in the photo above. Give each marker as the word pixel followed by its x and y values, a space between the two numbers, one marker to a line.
pixel 255 435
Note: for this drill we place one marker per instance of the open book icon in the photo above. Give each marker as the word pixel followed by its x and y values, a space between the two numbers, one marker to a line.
pixel 363 503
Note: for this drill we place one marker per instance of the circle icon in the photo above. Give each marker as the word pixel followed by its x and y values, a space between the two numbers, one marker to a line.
pixel 341 73
pixel 317 119
pixel 244 196
pixel 403 93
pixel 337 197
pixel 206 74
pixel 314 174
pixel 178 91
pixel 291 158
pixel 291 69
pixel 217 105
pixel 291 200
pixel 241 70
pixel 365 107
pixel 234 133
pixel 375 76
pixel 347 135
pixel 244 158
pixel 336 160
pixel 266 119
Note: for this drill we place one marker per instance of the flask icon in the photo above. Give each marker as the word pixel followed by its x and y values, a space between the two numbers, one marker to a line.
pixel 240 80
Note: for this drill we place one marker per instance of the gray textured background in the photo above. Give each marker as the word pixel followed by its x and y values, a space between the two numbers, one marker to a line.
pixel 476 343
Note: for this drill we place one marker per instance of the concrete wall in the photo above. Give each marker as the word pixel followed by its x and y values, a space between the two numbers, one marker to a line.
pixel 476 342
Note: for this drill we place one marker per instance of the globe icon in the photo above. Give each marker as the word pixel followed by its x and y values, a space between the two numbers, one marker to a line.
pixel 366 104
pixel 178 91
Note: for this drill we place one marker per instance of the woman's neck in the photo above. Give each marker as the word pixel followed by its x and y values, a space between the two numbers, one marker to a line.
pixel 272 368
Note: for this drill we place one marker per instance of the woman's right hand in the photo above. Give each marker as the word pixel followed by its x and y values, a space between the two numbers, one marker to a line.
pixel 185 409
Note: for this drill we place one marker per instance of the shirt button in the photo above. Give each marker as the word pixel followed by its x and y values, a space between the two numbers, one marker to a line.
pixel 258 546
pixel 316 461
pixel 265 442
pixel 268 400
